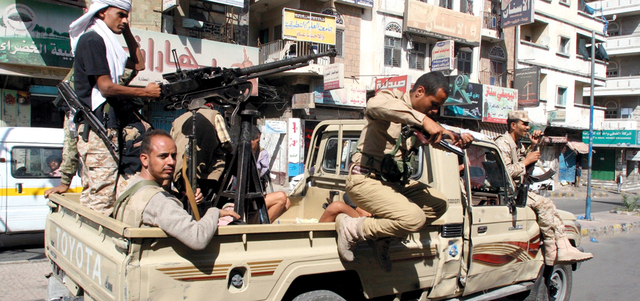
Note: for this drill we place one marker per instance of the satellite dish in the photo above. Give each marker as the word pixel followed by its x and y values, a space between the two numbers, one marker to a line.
pixel 544 41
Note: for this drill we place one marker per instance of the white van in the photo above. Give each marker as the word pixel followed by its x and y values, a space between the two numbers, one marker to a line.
pixel 26 172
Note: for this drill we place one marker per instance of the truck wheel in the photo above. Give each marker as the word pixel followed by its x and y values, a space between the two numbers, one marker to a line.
pixel 559 283
pixel 319 295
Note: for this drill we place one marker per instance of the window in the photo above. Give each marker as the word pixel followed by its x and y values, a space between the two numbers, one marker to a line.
pixel 626 113
pixel 446 4
pixel 535 33
pixel 563 47
pixel 263 36
pixel 613 29
pixel 612 69
pixel 497 73
pixel 392 51
pixel 35 162
pixel 611 110
pixel 339 42
pixel 277 32
pixel 487 177
pixel 331 154
pixel 417 55
pixel 464 62
pixel 566 2
pixel 562 97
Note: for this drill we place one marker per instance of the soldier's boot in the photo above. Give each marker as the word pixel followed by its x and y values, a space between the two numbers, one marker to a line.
pixel 381 251
pixel 550 252
pixel 568 253
pixel 349 234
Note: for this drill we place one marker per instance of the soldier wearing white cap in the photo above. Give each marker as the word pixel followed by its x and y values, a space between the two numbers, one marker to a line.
pixel 557 247
pixel 100 62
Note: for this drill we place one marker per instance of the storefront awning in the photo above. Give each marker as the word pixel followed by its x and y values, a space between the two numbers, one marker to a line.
pixel 492 130
pixel 578 147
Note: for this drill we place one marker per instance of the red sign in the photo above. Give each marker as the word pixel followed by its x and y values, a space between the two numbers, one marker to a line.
pixel 401 83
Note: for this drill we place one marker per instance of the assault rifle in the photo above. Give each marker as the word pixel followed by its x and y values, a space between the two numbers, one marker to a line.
pixel 423 136
pixel 190 89
pixel 71 99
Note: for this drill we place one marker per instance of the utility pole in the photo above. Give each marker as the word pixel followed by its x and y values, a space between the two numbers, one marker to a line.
pixel 587 214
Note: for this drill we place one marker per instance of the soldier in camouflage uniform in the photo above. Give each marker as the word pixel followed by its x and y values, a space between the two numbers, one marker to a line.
pixel 69 165
pixel 516 158
pixel 99 63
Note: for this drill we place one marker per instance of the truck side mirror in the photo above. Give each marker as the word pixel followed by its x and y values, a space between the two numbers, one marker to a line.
pixel 521 198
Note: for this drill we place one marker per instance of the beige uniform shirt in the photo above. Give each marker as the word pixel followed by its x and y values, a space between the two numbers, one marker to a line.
pixel 385 114
pixel 209 149
pixel 513 154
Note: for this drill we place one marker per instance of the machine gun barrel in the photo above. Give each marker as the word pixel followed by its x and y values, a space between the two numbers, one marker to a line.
pixel 283 63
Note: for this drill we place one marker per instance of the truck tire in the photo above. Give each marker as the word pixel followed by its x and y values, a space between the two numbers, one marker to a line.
pixel 319 295
pixel 559 283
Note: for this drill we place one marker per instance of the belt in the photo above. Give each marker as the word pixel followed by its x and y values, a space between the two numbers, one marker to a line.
pixel 357 169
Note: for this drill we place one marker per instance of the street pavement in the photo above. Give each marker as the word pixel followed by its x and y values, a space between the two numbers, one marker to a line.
pixel 26 279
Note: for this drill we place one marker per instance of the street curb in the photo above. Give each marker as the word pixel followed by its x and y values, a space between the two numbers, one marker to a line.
pixel 573 194
pixel 23 261
pixel 610 229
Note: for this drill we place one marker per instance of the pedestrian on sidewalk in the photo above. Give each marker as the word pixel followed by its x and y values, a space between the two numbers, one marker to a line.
pixel 620 181
pixel 578 173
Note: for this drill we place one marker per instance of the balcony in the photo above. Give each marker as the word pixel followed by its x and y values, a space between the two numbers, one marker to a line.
pixel 491 26
pixel 623 45
pixel 577 117
pixel 617 86
pixel 617 7
pixel 619 124
pixel 496 79
pixel 540 55
pixel 284 49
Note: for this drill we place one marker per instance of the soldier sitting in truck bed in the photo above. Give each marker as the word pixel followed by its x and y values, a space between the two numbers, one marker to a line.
pixel 145 202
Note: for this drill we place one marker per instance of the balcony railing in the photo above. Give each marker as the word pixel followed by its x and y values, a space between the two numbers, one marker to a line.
pixel 627 85
pixel 491 21
pixel 623 45
pixel 616 6
pixel 283 49
pixel 496 79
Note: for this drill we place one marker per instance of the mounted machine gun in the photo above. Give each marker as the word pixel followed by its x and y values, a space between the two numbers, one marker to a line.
pixel 190 89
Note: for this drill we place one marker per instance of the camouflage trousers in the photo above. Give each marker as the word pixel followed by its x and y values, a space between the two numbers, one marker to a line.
pixel 99 171
pixel 69 165
pixel 550 222
pixel 102 182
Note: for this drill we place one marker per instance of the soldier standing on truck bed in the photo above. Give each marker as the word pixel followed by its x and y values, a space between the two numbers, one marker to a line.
pixel 516 158
pixel 400 205
pixel 99 63
pixel 145 202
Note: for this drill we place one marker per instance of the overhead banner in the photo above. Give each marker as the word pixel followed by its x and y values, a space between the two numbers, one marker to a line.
pixel 559 115
pixel 465 98
pixel 498 102
pixel 442 23
pixel 402 83
pixel 36 33
pixel 527 83
pixel 306 26
pixel 353 95
pixel 516 12
pixel 442 56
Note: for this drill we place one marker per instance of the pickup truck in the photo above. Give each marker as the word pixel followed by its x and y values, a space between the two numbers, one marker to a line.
pixel 486 246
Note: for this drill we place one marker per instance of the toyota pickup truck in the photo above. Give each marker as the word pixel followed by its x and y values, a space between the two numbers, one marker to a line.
pixel 487 245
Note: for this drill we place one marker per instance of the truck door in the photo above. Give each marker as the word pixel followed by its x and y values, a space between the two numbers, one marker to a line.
pixel 504 239
pixel 31 170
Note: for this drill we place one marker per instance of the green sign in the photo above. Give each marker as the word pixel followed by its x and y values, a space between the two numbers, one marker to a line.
pixel 612 137
pixel 36 33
